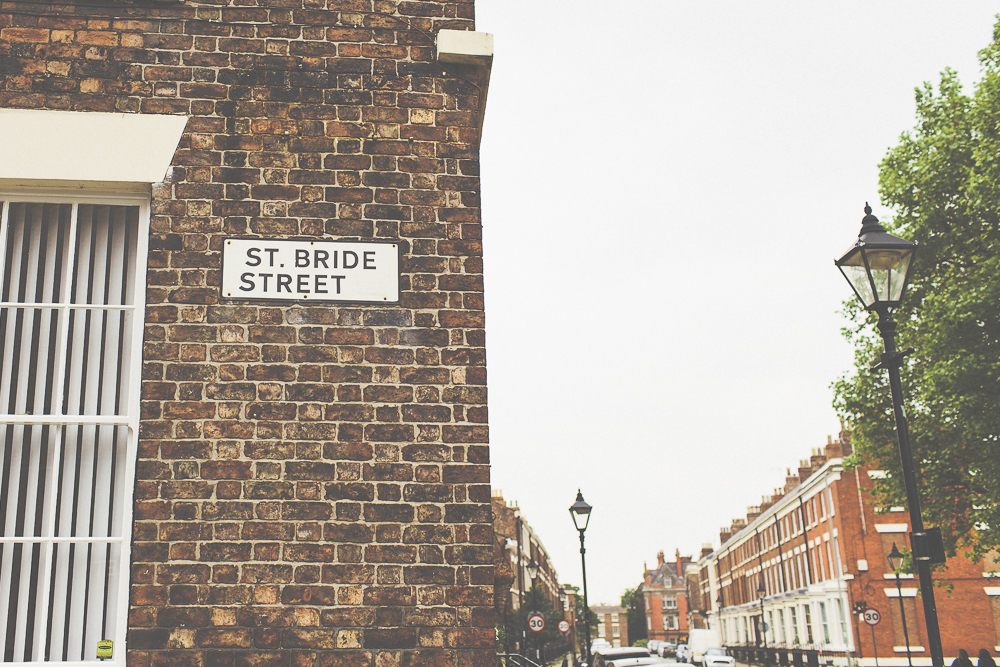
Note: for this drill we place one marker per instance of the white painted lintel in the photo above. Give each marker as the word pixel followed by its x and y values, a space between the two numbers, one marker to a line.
pixel 466 47
pixel 84 147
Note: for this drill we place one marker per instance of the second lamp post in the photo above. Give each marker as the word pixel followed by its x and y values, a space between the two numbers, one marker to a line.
pixel 580 511
pixel 895 559
pixel 762 593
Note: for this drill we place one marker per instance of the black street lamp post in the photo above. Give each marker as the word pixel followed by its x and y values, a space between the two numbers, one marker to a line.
pixel 532 568
pixel 762 593
pixel 580 511
pixel 720 603
pixel 877 267
pixel 533 575
pixel 896 561
pixel 563 597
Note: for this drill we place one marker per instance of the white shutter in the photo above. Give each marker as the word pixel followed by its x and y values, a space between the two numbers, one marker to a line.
pixel 70 337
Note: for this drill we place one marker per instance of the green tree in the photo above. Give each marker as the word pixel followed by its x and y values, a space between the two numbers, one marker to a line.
pixel 635 611
pixel 580 614
pixel 536 600
pixel 943 183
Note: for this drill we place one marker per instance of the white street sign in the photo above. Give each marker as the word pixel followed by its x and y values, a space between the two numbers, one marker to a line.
pixel 871 617
pixel 536 622
pixel 283 270
pixel 563 627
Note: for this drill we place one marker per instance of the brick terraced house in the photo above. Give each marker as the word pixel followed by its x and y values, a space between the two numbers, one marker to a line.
pixel 795 574
pixel 243 407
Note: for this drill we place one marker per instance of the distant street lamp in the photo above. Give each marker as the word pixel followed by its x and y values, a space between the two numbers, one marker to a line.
pixel 761 593
pixel 569 637
pixel 877 267
pixel 580 511
pixel 532 571
pixel 720 603
pixel 896 562
pixel 533 575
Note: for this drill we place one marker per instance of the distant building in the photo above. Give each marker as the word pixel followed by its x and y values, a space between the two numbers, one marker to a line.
pixel 523 545
pixel 665 597
pixel 698 605
pixel 815 550
pixel 612 624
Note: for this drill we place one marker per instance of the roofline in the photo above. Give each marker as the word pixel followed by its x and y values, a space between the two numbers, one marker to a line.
pixel 833 465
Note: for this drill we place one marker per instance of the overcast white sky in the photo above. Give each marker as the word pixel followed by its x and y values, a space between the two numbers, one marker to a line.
pixel 665 187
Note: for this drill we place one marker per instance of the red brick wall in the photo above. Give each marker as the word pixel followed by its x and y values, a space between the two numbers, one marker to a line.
pixel 965 617
pixel 313 482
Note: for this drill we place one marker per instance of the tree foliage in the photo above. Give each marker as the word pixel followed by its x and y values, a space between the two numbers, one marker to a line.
pixel 635 611
pixel 535 600
pixel 943 183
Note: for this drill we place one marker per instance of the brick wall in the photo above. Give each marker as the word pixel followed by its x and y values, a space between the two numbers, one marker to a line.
pixel 312 482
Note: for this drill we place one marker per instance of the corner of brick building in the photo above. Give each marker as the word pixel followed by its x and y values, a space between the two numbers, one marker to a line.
pixel 312 485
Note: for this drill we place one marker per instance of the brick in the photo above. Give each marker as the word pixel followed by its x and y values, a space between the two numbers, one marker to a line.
pixel 388 595
pixel 389 432
pixel 393 638
pixel 24 35
pixel 349 573
pixel 395 513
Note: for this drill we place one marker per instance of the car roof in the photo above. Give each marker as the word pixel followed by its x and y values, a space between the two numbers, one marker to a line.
pixel 632 662
pixel 612 651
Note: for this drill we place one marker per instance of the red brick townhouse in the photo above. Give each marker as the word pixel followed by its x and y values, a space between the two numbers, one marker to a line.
pixel 665 597
pixel 243 406
pixel 792 575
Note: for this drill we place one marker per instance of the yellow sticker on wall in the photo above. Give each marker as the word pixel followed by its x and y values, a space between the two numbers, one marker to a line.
pixel 105 647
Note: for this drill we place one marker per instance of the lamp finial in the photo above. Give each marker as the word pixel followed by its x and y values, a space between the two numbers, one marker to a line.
pixel 869 223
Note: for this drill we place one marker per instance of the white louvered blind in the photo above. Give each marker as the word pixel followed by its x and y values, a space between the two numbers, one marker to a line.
pixel 70 341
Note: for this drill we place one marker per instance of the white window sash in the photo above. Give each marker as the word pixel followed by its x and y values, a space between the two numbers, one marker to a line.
pixel 97 541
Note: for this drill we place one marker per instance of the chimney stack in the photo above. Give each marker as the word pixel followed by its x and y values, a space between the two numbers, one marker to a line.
pixel 804 470
pixel 816 461
pixel 791 481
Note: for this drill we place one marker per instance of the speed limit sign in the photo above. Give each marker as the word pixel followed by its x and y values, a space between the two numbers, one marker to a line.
pixel 536 622
pixel 871 617
pixel 563 627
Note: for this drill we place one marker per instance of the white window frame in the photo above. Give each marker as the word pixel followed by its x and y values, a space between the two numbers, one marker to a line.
pixel 121 533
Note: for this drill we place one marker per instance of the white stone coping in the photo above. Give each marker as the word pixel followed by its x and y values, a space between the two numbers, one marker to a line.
pixel 466 47
pixel 81 146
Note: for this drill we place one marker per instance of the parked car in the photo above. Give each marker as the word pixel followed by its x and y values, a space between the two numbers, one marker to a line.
pixel 683 653
pixel 717 657
pixel 603 657
pixel 668 650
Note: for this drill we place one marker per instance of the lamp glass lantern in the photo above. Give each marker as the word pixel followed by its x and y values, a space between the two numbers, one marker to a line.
pixel 761 591
pixel 895 558
pixel 533 570
pixel 580 511
pixel 878 265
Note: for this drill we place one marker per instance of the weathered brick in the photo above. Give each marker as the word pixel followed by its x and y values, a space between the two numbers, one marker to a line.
pixel 392 513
